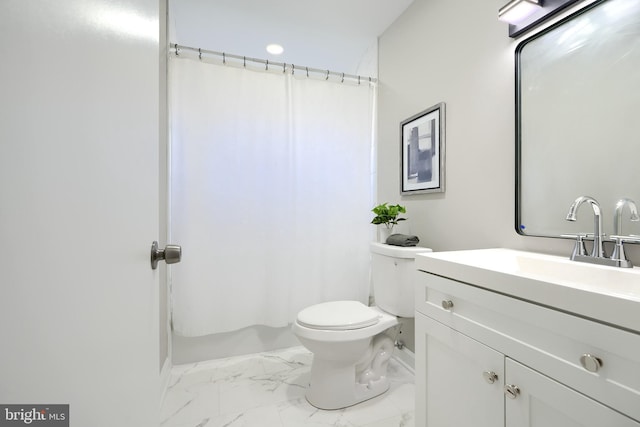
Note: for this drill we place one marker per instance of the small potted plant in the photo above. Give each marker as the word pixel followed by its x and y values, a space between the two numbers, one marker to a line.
pixel 387 215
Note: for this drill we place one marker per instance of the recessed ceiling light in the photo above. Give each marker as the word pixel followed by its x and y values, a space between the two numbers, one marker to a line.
pixel 275 49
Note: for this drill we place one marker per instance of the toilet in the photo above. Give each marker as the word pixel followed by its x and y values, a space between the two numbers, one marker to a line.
pixel 351 342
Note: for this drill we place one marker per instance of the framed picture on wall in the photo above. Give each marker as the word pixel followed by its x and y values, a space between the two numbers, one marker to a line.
pixel 422 139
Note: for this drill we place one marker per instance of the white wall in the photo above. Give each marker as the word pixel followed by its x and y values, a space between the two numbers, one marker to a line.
pixel 457 52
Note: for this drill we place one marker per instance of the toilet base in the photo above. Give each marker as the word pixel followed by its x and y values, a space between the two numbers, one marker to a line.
pixel 337 385
pixel 358 394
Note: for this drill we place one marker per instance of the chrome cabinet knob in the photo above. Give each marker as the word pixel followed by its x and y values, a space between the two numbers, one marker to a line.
pixel 511 391
pixel 447 304
pixel 590 362
pixel 490 376
pixel 171 254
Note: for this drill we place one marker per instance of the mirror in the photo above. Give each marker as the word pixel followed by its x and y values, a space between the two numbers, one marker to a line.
pixel 578 120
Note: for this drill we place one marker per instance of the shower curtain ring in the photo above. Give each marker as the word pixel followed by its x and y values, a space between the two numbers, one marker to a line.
pixel 307 71
pixel 176 47
pixel 284 68
pixel 200 54
pixel 342 81
pixel 358 80
pixel 224 58
pixel 266 67
pixel 327 78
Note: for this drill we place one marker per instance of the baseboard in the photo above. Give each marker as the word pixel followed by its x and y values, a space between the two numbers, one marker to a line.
pixel 406 357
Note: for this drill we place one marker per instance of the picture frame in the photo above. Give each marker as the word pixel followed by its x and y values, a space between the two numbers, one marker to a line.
pixel 422 152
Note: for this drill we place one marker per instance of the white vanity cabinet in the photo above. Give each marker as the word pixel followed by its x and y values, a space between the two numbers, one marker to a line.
pixel 455 392
pixel 484 358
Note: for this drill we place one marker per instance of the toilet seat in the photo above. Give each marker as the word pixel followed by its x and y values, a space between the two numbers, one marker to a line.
pixel 338 316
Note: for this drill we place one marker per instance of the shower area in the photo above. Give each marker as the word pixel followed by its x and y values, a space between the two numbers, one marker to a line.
pixel 271 183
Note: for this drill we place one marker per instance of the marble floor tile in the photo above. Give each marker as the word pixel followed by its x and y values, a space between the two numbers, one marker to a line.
pixel 267 390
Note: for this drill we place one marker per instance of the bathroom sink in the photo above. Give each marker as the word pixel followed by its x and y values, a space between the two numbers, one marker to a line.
pixel 607 294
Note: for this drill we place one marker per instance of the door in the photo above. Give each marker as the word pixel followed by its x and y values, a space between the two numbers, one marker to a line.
pixel 79 126
pixel 458 380
pixel 543 402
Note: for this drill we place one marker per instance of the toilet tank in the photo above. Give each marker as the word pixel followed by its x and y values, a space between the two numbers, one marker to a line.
pixel 393 277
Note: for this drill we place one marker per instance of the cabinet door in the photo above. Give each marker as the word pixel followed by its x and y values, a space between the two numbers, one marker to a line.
pixel 451 388
pixel 543 402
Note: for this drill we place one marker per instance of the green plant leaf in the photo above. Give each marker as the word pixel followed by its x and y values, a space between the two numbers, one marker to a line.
pixel 387 214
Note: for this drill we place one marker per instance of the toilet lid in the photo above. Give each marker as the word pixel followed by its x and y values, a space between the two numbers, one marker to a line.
pixel 338 316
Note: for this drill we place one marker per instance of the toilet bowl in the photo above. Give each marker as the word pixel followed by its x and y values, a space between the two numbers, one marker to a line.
pixel 351 342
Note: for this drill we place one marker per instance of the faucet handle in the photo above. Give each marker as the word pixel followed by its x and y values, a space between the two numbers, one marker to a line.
pixel 578 248
pixel 618 251
pixel 577 235
pixel 592 236
pixel 630 238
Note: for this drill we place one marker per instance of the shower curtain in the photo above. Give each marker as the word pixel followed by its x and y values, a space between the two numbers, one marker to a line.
pixel 271 192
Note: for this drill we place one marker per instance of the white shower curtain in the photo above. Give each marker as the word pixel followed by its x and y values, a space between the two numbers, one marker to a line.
pixel 270 194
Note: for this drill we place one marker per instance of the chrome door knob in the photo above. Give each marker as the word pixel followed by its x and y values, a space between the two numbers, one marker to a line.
pixel 511 391
pixel 490 376
pixel 171 254
pixel 590 362
pixel 447 304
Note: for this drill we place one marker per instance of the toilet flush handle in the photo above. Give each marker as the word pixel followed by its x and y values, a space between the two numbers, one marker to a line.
pixel 171 254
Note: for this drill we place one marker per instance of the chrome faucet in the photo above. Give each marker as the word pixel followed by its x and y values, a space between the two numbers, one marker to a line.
pixel 598 247
pixel 617 216
pixel 619 256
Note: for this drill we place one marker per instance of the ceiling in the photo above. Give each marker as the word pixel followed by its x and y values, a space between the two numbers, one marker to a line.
pixel 340 35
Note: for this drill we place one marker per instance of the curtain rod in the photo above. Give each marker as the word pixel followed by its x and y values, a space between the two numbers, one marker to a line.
pixel 285 67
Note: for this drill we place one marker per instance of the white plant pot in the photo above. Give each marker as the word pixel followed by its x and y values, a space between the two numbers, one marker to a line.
pixel 383 233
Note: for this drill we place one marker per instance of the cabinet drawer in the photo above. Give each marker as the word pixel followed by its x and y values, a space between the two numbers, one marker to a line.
pixel 542 338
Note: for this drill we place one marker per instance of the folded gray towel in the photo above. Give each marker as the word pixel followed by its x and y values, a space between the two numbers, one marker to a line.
pixel 402 240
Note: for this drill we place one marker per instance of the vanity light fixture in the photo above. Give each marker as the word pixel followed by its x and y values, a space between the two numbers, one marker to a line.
pixel 517 10
pixel 524 15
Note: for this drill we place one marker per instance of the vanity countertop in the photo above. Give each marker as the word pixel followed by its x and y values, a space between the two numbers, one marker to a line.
pixel 606 294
